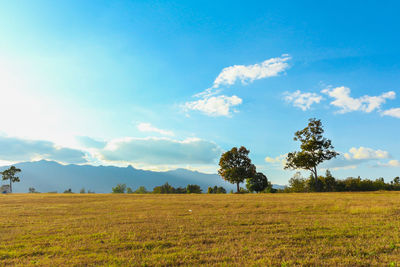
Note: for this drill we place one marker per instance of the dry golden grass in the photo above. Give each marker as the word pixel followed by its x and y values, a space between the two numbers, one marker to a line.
pixel 346 229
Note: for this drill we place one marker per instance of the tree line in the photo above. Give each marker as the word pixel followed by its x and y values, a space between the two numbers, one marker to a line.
pixel 165 189
pixel 328 183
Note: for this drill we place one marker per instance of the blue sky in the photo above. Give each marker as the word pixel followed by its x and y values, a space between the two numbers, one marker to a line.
pixel 125 82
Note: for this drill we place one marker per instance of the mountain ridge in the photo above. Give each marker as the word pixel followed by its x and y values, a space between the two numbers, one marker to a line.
pixel 51 176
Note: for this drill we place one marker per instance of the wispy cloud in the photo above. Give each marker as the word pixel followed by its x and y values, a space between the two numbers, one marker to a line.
pixel 215 105
pixel 302 100
pixel 394 112
pixel 391 163
pixel 147 127
pixel 249 73
pixel 366 103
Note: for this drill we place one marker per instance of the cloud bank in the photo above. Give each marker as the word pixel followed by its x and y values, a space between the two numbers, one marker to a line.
pixel 159 151
pixel 16 150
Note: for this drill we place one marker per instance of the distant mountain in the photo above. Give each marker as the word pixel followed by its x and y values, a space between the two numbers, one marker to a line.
pixel 47 176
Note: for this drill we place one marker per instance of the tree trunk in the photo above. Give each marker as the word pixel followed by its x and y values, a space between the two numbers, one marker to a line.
pixel 238 189
pixel 10 186
pixel 316 179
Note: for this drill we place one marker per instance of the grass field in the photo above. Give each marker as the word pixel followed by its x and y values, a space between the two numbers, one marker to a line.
pixel 266 229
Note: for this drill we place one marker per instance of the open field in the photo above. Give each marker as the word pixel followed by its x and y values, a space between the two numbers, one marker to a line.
pixel 266 229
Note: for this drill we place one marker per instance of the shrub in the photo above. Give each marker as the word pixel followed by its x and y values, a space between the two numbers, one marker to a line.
pixel 119 189
pixel 141 190
pixel 193 189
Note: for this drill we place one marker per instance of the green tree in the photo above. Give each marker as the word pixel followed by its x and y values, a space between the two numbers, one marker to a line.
pixel 68 191
pixel 236 166
pixel 257 183
pixel 180 190
pixel 220 190
pixel 297 183
pixel 329 182
pixel 129 190
pixel 141 190
pixel 395 183
pixel 216 190
pixel 164 189
pixel 193 189
pixel 119 189
pixel 9 174
pixel 315 149
pixel 32 190
pixel 82 191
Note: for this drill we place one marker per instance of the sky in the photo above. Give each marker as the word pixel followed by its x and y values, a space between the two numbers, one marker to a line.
pixel 161 85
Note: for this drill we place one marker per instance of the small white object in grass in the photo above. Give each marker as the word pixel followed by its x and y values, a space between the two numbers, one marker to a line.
pixel 190 210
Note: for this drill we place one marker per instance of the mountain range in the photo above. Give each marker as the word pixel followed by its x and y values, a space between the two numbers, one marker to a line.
pixel 50 176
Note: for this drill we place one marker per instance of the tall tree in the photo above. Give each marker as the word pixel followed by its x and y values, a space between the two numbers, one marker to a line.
pixel 236 166
pixel 9 174
pixel 315 149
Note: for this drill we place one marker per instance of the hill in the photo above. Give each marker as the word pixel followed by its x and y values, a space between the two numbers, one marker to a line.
pixel 46 176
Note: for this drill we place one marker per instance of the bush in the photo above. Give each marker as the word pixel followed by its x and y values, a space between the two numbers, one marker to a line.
pixel 180 190
pixel 141 190
pixel 193 189
pixel 119 189
pixel 32 190
pixel 164 189
pixel 216 190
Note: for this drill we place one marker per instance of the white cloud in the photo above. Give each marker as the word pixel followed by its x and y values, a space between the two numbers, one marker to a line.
pixel 390 163
pixel 394 112
pixel 366 103
pixel 393 163
pixel 365 153
pixel 153 151
pixel 277 159
pixel 278 162
pixel 356 157
pixel 214 105
pixel 302 100
pixel 147 127
pixel 247 74
pixel 16 150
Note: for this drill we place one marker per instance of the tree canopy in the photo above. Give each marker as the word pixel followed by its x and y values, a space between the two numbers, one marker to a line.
pixel 236 166
pixel 258 183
